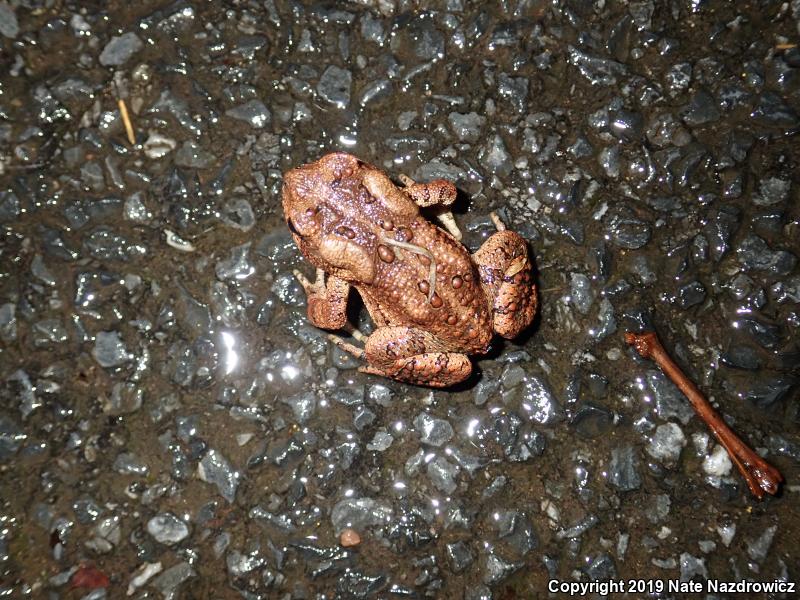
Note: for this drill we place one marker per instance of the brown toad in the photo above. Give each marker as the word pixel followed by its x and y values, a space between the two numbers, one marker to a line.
pixel 432 301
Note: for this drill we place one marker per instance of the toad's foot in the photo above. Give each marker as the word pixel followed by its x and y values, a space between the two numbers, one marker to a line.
pixel 449 222
pixel 315 287
pixel 406 180
pixel 355 332
pixel 499 225
pixel 327 301
pixel 347 347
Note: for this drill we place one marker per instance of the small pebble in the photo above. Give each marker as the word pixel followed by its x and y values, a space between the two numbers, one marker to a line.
pixel 349 538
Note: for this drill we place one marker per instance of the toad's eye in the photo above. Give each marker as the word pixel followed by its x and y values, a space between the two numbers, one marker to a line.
pixel 292 228
pixel 304 223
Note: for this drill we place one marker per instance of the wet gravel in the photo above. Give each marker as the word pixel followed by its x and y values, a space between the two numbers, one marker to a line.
pixel 171 426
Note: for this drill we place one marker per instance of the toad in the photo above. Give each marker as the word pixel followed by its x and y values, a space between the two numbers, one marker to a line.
pixel 433 303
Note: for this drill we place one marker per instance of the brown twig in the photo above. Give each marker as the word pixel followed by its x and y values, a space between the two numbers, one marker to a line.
pixel 126 120
pixel 760 475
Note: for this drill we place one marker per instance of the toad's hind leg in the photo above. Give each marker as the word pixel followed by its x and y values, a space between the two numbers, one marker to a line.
pixel 413 356
pixel 327 301
pixel 505 272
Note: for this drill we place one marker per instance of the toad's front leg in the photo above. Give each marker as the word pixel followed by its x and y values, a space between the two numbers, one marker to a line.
pixel 327 301
pixel 410 355
pixel 440 193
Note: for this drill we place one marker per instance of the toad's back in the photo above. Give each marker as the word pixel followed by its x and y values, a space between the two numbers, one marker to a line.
pixel 454 308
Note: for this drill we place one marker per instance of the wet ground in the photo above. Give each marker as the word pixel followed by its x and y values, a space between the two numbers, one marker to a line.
pixel 172 426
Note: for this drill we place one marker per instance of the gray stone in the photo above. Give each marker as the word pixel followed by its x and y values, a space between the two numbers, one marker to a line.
pixel 9 26
pixel 679 77
pixel 467 127
pixel 379 394
pixel 512 376
pixel 497 569
pixel 578 529
pixel 755 255
pixel 478 592
pixel 692 567
pixel 240 564
pixel 628 231
pixel 377 90
pixel 772 111
pixel 158 146
pixel 719 230
pixel 607 322
pixel 602 568
pixel 120 49
pixel 8 322
pixel 661 504
pixel 419 39
pixel 381 441
pixel 581 294
pixel 303 405
pixel 609 159
pixel 134 208
pixel 127 463
pixel 253 112
pixel 623 470
pixel 701 109
pixel 539 403
pixel 372 28
pixel 359 513
pixel 436 169
pixel 772 190
pixel 513 89
pixel 334 86
pixel 443 474
pixel 109 350
pixel 238 213
pixel 459 556
pixel 494 156
pixel 11 438
pixel 691 294
pixel 192 155
pixel 106 534
pixel 168 529
pixel 597 70
pixel 168 581
pixel 215 469
pixel 626 125
pixel 363 417
pixel 669 401
pixel 741 357
pixel 486 388
pixel 432 431
pixel 758 548
pixel 9 206
pixel 236 266
pixel 666 444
